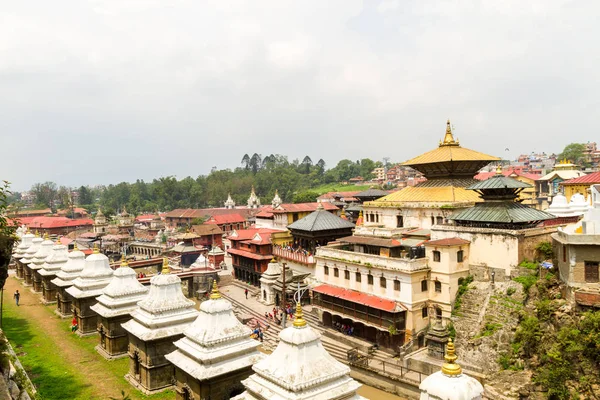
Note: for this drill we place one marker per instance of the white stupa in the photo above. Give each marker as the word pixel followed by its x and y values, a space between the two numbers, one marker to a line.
pixel 38 260
pixel 94 277
pixel 54 262
pixel 215 345
pixel 164 312
pixel 267 279
pixel 229 203
pixel 253 200
pixel 300 369
pixel 31 250
pixel 122 294
pixel 276 200
pixel 450 383
pixel 71 269
pixel 24 244
pixel 578 204
pixel 560 207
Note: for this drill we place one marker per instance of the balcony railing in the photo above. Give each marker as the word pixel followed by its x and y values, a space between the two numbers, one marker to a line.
pixel 293 256
pixel 371 260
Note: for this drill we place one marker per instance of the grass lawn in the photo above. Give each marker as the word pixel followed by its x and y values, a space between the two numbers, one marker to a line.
pixel 41 344
pixel 339 187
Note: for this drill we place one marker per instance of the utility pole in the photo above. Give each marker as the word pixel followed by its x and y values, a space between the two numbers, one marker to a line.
pixel 283 296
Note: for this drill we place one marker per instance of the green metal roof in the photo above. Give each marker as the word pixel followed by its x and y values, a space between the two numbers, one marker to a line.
pixel 320 220
pixel 372 192
pixel 501 212
pixel 499 182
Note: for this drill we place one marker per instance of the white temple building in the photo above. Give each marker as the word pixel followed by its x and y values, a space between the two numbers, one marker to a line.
pixel 118 300
pixel 38 260
pixel 159 321
pixel 64 279
pixel 229 203
pixel 96 275
pixel 450 383
pixel 300 369
pixel 253 200
pixel 54 262
pixel 560 207
pixel 24 244
pixel 276 202
pixel 215 354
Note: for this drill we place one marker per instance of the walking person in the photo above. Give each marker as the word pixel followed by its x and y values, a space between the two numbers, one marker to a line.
pixel 246 293
pixel 17 296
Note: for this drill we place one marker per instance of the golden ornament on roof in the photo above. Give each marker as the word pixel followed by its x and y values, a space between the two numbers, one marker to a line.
pixel 215 294
pixel 299 321
pixel 450 367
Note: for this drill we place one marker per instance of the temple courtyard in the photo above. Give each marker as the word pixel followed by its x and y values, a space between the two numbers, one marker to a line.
pixel 63 365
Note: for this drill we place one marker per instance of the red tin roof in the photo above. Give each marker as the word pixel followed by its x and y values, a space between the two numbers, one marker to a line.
pixel 248 254
pixel 588 179
pixel 357 297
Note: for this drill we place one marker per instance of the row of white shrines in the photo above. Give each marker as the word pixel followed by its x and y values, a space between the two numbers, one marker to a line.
pixel 205 354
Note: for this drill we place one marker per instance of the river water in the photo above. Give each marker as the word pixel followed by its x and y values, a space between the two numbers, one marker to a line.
pixel 375 394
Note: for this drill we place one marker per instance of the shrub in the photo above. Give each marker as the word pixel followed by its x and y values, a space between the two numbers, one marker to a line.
pixel 529 264
pixel 544 250
pixel 528 335
pixel 527 281
pixel 462 288
pixel 510 291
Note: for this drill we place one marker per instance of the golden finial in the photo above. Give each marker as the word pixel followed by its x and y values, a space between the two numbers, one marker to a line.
pixel 75 248
pixel 37 233
pixel 215 295
pixel 46 237
pixel 450 367
pixel 96 249
pixel 124 262
pixel 299 321
pixel 165 266
pixel 499 170
pixel 448 138
pixel 343 215
pixel 58 240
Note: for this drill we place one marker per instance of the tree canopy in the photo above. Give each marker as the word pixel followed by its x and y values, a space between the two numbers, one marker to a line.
pixel 574 152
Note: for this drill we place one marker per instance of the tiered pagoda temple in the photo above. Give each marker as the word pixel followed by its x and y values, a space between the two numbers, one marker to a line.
pixel 26 242
pixel 500 208
pixel 64 279
pixel 96 275
pixel 300 368
pixel 28 259
pixel 215 354
pixel 449 170
pixel 159 321
pixel 54 262
pixel 114 307
pixel 319 228
pixel 38 260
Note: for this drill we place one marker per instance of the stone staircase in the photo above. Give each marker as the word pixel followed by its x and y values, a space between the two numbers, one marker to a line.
pixel 271 336
pixel 468 319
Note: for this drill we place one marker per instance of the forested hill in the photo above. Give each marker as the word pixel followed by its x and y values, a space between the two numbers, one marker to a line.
pixel 294 181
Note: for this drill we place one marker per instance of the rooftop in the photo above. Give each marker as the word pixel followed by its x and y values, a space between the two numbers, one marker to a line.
pixel 320 220
pixel 589 179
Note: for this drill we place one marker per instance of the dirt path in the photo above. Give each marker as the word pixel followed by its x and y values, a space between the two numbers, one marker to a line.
pixel 99 380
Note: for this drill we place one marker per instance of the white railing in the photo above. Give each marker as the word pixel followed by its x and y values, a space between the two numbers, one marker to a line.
pixel 293 256
pixel 371 260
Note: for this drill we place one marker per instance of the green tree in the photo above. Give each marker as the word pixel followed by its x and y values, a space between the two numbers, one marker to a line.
pixel 574 153
pixel 306 196
pixel 7 232
pixel 44 194
pixel 85 196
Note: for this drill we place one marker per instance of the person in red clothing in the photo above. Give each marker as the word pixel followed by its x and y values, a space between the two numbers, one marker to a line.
pixel 74 324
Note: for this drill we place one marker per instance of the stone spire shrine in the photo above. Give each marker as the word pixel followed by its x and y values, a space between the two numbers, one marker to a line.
pixel 300 368
pixel 26 242
pixel 38 260
pixel 54 262
pixel 64 279
pixel 158 322
pixel 28 259
pixel 114 307
pixel 215 354
pixel 253 200
pixel 229 203
pixel 96 275
pixel 450 383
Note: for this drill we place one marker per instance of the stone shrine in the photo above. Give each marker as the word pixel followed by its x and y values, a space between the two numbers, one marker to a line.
pixel 96 275
pixel 54 262
pixel 267 279
pixel 64 279
pixel 158 322
pixel 37 262
pixel 114 307
pixel 300 368
pixel 28 258
pixel 437 338
pixel 450 383
pixel 215 354
pixel 26 242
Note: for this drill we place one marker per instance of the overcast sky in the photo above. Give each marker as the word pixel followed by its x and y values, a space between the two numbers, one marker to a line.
pixel 99 91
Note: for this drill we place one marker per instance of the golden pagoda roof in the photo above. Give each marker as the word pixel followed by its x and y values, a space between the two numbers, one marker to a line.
pixel 450 194
pixel 449 150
